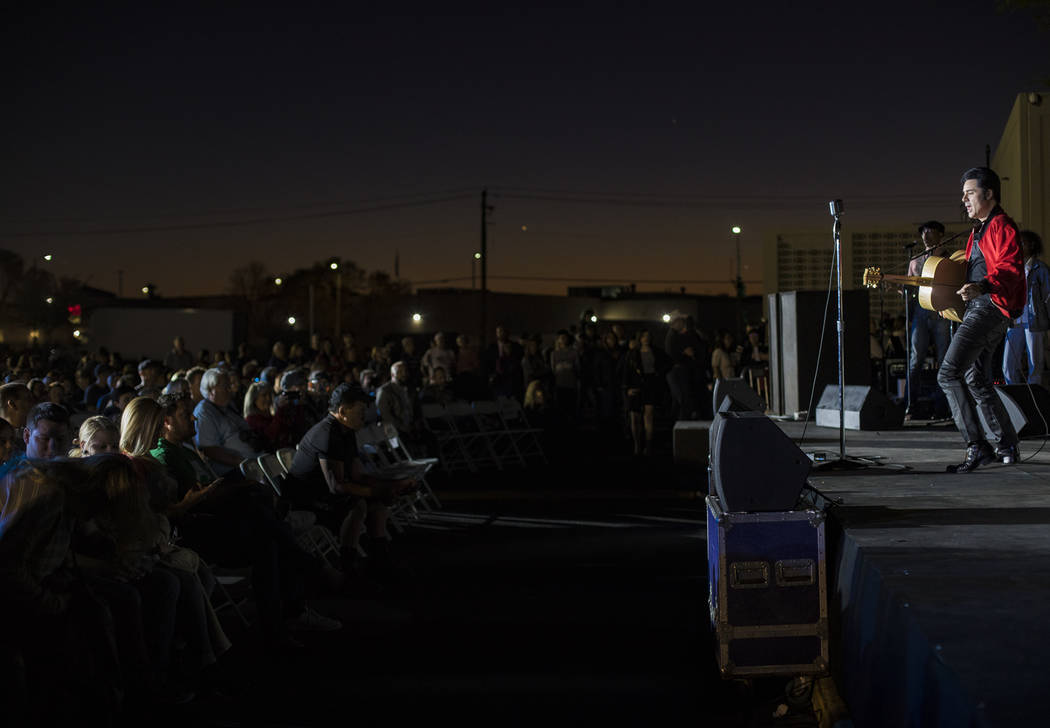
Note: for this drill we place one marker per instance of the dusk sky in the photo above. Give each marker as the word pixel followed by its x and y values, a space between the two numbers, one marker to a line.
pixel 626 139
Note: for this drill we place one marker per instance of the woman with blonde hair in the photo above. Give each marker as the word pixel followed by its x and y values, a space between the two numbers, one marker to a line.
pixel 98 435
pixel 140 426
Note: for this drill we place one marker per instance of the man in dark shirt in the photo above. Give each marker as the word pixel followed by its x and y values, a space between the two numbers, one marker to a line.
pixel 327 477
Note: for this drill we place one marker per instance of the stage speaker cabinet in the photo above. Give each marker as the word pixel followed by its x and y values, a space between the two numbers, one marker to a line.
pixel 754 465
pixel 691 442
pixel 736 395
pixel 866 408
pixel 795 341
pixel 1028 410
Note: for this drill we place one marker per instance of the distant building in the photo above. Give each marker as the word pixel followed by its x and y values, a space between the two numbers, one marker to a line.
pixel 1021 158
pixel 802 260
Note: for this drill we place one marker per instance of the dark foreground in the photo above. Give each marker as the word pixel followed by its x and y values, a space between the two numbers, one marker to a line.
pixel 563 595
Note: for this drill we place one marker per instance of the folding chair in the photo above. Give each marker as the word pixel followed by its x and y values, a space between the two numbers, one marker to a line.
pixel 251 470
pixel 399 453
pixel 272 470
pixel 222 599
pixel 451 452
pixel 526 437
pixel 501 441
pixel 476 443
pixel 376 464
pixel 285 456
pixel 312 537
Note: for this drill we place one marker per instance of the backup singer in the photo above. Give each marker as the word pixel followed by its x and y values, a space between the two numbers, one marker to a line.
pixel 994 293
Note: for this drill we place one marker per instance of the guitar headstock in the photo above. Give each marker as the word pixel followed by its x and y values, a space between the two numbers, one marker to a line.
pixel 872 277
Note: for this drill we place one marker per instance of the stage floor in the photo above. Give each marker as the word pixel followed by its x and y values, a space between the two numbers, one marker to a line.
pixel 941 582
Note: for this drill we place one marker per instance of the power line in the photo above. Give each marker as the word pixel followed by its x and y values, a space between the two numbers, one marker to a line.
pixel 230 223
pixel 243 210
pixel 614 281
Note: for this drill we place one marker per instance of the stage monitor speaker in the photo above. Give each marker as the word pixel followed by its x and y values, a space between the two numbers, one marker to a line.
pixel 691 442
pixel 1028 410
pixel 866 408
pixel 736 395
pixel 754 465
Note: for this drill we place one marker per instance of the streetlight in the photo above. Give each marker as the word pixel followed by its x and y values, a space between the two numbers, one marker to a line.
pixel 277 281
pixel 145 289
pixel 473 267
pixel 739 279
pixel 48 257
pixel 666 318
pixel 417 318
pixel 76 333
pixel 594 319
pixel 49 299
pixel 333 265
pixel 291 320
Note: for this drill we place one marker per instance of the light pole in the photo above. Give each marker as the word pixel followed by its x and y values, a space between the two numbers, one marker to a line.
pixel 473 270
pixel 736 230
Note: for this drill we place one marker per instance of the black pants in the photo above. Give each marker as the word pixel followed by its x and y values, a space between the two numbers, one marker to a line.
pixel 965 374
pixel 241 529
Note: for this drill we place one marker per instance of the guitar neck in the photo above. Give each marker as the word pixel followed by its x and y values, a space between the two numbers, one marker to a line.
pixel 908 280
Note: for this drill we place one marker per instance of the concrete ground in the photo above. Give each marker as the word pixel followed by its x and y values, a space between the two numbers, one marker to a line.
pixel 565 594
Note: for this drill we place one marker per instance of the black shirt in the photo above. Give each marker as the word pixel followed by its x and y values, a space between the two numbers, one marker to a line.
pixel 976 267
pixel 327 440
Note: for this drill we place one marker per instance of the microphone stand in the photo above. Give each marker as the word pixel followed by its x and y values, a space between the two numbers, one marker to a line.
pixel 843 462
pixel 907 335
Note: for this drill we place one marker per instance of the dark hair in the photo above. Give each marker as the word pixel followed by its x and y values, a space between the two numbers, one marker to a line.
pixel 931 225
pixel 13 390
pixel 101 369
pixel 150 364
pixel 348 394
pixel 122 390
pixel 1035 243
pixel 168 402
pixel 986 178
pixel 47 411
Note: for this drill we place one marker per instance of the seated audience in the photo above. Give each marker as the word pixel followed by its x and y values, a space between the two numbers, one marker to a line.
pixel 223 436
pixel 327 477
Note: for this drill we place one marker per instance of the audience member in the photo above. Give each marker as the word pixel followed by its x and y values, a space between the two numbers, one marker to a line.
pixel 438 355
pixel 178 357
pixel 223 436
pixel 644 372
pixel 722 358
pixel 15 403
pixel 327 476
pixel 502 365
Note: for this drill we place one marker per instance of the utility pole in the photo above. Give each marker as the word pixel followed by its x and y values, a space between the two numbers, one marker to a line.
pixel 484 266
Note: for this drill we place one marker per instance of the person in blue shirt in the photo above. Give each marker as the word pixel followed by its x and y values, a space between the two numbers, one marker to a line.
pixel 1025 338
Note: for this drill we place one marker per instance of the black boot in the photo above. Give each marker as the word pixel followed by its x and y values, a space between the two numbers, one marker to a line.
pixel 1008 455
pixel 977 454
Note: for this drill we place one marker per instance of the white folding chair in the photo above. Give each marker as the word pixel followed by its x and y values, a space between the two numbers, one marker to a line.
pixel 251 470
pixel 451 451
pixel 501 441
pixel 285 456
pixel 526 437
pixel 400 454
pixel 221 598
pixel 476 443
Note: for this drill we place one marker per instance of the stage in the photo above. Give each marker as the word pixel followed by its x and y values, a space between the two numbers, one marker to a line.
pixel 939 583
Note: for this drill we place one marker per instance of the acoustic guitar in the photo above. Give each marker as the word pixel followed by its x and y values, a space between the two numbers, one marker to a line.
pixel 940 279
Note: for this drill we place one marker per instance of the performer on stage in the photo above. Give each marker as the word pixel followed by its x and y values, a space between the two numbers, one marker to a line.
pixel 926 326
pixel 995 294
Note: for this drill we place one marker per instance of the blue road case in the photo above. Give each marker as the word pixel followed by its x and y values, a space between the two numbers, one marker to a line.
pixel 768 591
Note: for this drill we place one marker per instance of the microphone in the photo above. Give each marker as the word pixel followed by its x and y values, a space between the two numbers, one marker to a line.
pixel 835 207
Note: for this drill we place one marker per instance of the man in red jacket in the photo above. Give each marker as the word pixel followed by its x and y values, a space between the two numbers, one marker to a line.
pixel 994 293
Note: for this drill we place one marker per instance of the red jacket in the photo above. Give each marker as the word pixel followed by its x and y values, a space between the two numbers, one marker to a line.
pixel 1001 246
